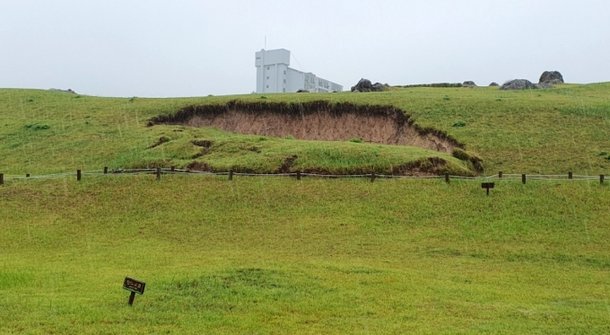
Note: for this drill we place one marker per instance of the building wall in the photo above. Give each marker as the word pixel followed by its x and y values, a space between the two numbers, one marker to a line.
pixel 271 70
pixel 294 80
pixel 273 75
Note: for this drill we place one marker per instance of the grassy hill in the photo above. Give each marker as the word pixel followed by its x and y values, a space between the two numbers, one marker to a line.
pixel 276 255
pixel 535 131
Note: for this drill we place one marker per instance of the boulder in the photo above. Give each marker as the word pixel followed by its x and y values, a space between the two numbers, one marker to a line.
pixel 469 83
pixel 365 85
pixel 71 91
pixel 378 87
pixel 518 84
pixel 551 78
pixel 493 84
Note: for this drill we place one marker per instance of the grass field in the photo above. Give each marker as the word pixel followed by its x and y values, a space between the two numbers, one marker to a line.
pixel 276 255
pixel 535 131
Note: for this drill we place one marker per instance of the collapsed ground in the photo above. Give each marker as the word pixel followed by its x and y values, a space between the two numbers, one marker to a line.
pixel 322 121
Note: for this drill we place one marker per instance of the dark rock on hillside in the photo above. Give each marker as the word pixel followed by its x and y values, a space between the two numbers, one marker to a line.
pixel 365 85
pixel 518 84
pixel 302 91
pixel 380 87
pixel 493 84
pixel 71 91
pixel 551 78
pixel 469 83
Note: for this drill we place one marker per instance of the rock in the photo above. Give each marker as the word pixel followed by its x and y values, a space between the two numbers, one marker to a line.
pixel 518 84
pixel 71 91
pixel 493 84
pixel 469 83
pixel 378 87
pixel 547 84
pixel 302 91
pixel 551 78
pixel 365 85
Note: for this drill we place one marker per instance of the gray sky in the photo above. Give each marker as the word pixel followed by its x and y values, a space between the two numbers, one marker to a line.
pixel 195 48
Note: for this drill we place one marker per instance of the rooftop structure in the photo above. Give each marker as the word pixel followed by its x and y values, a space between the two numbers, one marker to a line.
pixel 273 75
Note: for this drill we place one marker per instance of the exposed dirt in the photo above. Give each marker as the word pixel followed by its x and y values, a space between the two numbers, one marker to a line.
pixel 317 120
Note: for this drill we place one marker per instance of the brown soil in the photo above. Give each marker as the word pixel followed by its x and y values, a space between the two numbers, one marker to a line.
pixel 318 120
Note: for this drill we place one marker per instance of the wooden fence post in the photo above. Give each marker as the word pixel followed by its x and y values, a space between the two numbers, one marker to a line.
pixel 601 178
pixel 500 174
pixel 1 178
pixel 158 173
pixel 78 175
pixel 372 177
pixel 231 174
pixel 27 175
pixel 298 175
pixel 523 178
pixel 447 178
pixel 570 175
pixel 105 170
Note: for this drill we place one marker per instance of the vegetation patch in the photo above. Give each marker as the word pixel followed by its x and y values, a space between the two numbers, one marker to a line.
pixel 238 290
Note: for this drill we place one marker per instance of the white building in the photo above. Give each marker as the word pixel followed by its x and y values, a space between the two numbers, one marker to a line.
pixel 273 75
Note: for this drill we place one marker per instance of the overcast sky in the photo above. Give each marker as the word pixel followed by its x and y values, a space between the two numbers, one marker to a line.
pixel 192 48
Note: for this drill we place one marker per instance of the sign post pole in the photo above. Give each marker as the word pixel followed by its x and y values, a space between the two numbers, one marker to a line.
pixel 132 297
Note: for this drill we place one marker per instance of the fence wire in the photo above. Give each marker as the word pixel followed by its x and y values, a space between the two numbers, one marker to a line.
pixel 298 175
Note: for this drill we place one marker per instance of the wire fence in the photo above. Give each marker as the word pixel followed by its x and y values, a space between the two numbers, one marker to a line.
pixel 158 172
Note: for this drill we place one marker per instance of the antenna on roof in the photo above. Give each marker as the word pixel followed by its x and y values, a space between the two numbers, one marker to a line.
pixel 265 42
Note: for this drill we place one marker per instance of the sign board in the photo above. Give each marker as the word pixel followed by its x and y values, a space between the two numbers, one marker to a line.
pixel 487 186
pixel 134 286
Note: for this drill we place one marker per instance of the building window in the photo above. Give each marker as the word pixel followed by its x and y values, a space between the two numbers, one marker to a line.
pixel 267 86
pixel 267 77
pixel 284 71
pixel 284 81
pixel 268 68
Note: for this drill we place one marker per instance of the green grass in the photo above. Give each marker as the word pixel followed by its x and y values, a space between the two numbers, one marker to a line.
pixel 57 132
pixel 535 131
pixel 275 255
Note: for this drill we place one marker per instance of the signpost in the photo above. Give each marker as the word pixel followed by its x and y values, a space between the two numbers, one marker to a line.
pixel 133 286
pixel 487 186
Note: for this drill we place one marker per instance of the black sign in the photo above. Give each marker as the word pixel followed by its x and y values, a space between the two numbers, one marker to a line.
pixel 133 285
pixel 487 186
